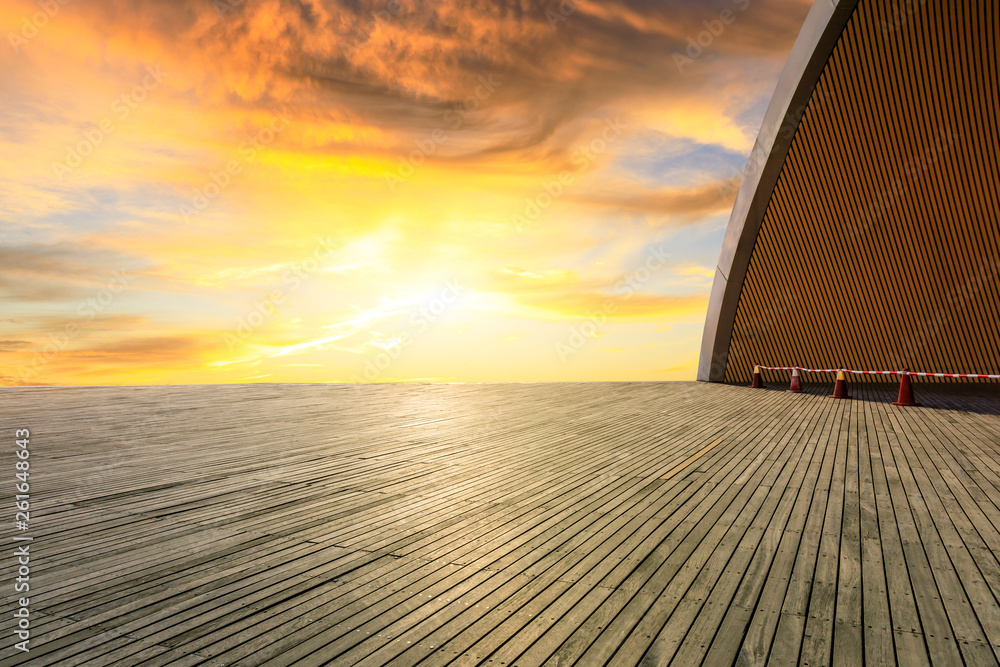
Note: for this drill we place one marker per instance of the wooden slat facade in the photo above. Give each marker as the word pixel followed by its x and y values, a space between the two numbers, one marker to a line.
pixel 880 247
pixel 537 524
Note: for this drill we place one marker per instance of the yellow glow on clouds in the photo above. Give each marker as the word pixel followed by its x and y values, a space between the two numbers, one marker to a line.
pixel 288 195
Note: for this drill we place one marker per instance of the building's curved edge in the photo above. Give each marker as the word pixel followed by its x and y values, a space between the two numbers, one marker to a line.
pixel 820 32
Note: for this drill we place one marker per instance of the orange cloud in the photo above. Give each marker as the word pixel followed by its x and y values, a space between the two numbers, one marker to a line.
pixel 412 136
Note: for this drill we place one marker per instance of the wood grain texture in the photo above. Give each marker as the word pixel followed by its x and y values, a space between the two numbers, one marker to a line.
pixel 880 246
pixel 551 524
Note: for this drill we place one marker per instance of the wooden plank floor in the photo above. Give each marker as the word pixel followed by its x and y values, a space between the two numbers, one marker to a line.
pixel 533 524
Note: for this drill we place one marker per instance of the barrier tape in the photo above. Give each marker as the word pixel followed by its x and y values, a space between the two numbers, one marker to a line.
pixel 848 370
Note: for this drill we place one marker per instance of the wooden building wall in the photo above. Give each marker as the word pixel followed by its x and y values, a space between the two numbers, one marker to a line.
pixel 880 247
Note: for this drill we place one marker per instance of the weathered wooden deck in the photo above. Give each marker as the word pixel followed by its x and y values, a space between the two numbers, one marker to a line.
pixel 598 524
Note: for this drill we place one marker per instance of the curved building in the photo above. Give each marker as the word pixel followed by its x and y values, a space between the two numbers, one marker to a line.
pixel 866 231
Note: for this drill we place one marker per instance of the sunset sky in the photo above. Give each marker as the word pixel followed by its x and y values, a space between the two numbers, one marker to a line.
pixel 226 191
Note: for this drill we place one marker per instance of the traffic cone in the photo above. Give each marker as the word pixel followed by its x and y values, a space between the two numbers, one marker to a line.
pixel 796 386
pixel 758 382
pixel 906 391
pixel 840 389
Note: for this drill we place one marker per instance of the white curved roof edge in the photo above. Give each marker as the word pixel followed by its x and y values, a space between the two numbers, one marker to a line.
pixel 819 35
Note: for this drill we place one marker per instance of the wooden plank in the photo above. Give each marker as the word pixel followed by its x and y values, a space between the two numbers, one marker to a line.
pixel 552 538
pixel 691 459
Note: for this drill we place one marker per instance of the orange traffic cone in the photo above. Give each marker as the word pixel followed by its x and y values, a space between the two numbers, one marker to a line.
pixel 796 386
pixel 758 382
pixel 840 389
pixel 906 391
